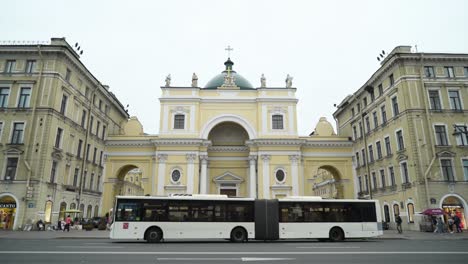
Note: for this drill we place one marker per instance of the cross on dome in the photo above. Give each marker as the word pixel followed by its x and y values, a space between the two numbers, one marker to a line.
pixel 229 49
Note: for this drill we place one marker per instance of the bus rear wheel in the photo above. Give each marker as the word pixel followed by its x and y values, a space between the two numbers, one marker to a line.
pixel 336 234
pixel 238 235
pixel 154 235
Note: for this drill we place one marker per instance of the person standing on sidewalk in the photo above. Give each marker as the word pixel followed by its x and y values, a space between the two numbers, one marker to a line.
pixel 398 222
pixel 456 222
pixel 67 224
pixel 439 226
pixel 450 224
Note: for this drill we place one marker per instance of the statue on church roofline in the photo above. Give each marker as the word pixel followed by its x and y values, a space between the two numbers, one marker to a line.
pixel 194 80
pixel 168 80
pixel 289 81
pixel 263 81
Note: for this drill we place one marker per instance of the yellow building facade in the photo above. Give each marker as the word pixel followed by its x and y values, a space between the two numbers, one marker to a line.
pixel 228 138
pixel 409 127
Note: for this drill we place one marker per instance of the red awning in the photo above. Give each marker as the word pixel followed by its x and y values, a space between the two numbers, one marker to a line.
pixel 433 211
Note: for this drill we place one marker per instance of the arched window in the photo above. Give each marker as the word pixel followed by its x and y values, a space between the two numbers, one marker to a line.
pixel 410 208
pixel 396 209
pixel 88 212
pixel 280 176
pixel 96 211
pixel 72 206
pixel 63 207
pixel 387 213
pixel 82 210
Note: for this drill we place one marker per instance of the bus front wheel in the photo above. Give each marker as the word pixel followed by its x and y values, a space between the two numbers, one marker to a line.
pixel 336 234
pixel 238 235
pixel 154 235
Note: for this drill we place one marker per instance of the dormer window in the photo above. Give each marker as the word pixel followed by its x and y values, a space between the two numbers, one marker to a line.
pixel 277 122
pixel 179 121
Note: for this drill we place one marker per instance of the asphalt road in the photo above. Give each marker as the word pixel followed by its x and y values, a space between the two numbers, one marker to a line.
pixel 106 251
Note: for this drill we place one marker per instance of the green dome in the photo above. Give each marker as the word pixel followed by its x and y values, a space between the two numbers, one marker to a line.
pixel 218 80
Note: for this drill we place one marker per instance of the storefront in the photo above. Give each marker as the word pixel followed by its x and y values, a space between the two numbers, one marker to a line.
pixel 8 208
pixel 454 205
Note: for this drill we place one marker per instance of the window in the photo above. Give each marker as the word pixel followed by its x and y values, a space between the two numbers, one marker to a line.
pixel 91 121
pixel 384 114
pixel 382 178
pixel 434 100
pixel 10 172
pixel 441 135
pixel 396 209
pixel 447 170
pixel 103 131
pixel 63 106
pixel 87 151
pixel 75 177
pixel 357 159
pixel 25 95
pixel 372 95
pixel 388 147
pixel 80 144
pixel 380 87
pixel 465 169
pixel 371 154
pixel 53 171
pixel 97 186
pixel 360 183
pixel 363 153
pixel 100 158
pixel 100 104
pixel 30 66
pixel 83 119
pixel 376 121
pixel 364 102
pixel 87 91
pixel 396 111
pixel 58 137
pixel 461 135
pixel 17 136
pixel 280 176
pixel 367 182
pixel 175 176
pixel 277 121
pixel 179 121
pixel 91 182
pixel 392 176
pixel 392 81
pixel 429 71
pixel 1 129
pixel 4 93
pixel 354 133
pixel 410 208
pixel 83 183
pixel 68 75
pixel 401 143
pixel 360 130
pixel 368 129
pixel 404 172
pixel 449 71
pixel 352 112
pixel 374 181
pixel 10 66
pixel 98 127
pixel 455 103
pixel 379 149
pixel 466 71
pixel 94 155
pixel 358 107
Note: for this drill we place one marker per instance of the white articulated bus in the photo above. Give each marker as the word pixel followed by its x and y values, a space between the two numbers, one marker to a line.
pixel 239 219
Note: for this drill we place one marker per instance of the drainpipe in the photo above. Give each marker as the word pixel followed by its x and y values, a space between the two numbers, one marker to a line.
pixel 369 180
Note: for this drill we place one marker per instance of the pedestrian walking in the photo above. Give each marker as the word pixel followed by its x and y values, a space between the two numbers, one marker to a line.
pixel 398 222
pixel 439 226
pixel 67 224
pixel 450 224
pixel 456 222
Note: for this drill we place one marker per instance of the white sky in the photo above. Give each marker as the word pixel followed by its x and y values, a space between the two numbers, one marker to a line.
pixel 329 47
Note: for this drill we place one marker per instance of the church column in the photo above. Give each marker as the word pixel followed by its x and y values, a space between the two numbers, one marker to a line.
pixel 161 173
pixel 190 172
pixel 266 176
pixel 203 182
pixel 294 174
pixel 253 177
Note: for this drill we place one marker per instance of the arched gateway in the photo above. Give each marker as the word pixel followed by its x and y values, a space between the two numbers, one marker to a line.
pixel 229 138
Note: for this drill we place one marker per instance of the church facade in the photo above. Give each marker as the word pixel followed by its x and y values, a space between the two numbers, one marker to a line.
pixel 231 138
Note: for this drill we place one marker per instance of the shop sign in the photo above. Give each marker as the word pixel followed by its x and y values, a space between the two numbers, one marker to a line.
pixel 7 205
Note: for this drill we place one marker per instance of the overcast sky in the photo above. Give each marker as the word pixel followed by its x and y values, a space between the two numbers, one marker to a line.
pixel 329 47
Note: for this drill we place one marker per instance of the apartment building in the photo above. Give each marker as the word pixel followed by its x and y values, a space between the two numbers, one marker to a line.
pixel 409 126
pixel 54 120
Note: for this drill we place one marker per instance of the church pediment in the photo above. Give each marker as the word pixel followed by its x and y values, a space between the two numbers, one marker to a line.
pixel 446 154
pixel 13 152
pixel 228 177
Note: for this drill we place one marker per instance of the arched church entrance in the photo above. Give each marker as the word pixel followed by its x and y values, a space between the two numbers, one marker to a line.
pixel 328 183
pixel 228 163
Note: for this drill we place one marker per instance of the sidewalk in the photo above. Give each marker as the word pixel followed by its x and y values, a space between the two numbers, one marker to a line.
pixel 99 234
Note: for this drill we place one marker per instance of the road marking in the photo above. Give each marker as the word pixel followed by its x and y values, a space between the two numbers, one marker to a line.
pixel 239 253
pixel 95 243
pixel 88 247
pixel 245 259
pixel 328 247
